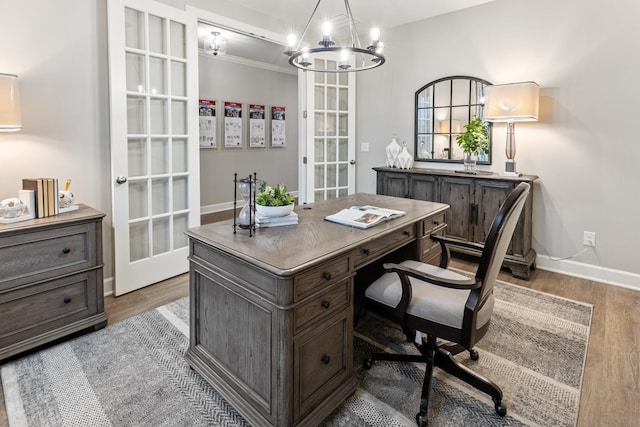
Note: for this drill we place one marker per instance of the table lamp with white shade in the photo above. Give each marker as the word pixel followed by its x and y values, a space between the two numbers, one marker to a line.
pixel 10 117
pixel 510 103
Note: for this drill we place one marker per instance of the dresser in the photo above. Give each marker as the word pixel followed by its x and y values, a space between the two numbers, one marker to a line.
pixel 51 282
pixel 474 201
pixel 271 315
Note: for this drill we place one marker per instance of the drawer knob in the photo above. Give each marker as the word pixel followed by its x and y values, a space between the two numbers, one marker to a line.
pixel 326 359
pixel 406 233
pixel 366 251
pixel 67 300
pixel 326 276
pixel 326 304
pixel 66 250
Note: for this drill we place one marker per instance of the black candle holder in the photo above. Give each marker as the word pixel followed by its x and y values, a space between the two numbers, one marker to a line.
pixel 246 220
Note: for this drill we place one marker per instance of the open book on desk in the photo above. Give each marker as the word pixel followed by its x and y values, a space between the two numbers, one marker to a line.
pixel 363 216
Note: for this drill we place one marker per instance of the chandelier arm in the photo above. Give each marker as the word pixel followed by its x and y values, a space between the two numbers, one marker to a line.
pixel 355 39
pixel 306 28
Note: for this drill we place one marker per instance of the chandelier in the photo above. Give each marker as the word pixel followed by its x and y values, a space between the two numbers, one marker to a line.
pixel 341 59
pixel 215 44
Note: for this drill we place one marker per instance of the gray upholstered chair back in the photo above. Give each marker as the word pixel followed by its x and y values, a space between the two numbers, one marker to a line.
pixel 499 238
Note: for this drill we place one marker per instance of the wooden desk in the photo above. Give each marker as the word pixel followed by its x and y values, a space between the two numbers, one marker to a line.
pixel 271 316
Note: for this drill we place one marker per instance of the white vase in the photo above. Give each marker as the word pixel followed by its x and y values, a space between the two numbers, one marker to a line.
pixel 393 149
pixel 405 159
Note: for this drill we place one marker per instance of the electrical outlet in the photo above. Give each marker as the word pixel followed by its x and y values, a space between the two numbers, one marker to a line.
pixel 589 238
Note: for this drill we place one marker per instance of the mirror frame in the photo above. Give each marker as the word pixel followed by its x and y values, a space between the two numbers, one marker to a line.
pixel 455 100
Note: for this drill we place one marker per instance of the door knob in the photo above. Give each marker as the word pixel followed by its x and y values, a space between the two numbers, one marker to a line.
pixel 121 179
pixel 352 162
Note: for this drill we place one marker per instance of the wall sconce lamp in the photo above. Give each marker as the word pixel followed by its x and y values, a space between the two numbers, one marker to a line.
pixel 510 103
pixel 10 116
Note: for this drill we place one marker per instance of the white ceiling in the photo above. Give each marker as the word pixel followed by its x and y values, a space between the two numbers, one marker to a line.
pixel 381 13
pixel 367 13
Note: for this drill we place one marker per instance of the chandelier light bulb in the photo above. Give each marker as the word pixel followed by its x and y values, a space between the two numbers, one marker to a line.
pixel 375 35
pixel 326 29
pixel 291 40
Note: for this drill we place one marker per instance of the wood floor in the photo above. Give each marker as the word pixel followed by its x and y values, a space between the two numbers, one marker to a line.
pixel 611 386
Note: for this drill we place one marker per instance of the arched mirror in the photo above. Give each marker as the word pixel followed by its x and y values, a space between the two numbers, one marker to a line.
pixel 443 108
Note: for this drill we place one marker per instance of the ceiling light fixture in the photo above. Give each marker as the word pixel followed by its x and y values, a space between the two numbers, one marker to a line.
pixel 341 59
pixel 215 44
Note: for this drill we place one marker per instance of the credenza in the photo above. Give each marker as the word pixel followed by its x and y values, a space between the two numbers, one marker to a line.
pixel 474 200
pixel 271 315
pixel 51 281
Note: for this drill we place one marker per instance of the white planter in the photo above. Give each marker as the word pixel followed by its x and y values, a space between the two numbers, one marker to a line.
pixel 274 211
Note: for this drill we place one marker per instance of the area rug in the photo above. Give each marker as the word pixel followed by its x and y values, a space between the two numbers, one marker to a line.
pixel 133 373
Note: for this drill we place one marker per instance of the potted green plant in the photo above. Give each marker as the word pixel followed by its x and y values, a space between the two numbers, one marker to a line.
pixel 473 141
pixel 273 200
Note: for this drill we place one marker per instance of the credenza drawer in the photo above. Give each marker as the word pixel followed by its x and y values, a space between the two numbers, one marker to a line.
pixel 38 307
pixel 320 277
pixel 335 299
pixel 44 254
pixel 372 250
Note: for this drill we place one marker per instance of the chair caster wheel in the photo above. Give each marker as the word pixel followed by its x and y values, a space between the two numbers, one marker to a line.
pixel 367 363
pixel 473 354
pixel 500 408
pixel 421 420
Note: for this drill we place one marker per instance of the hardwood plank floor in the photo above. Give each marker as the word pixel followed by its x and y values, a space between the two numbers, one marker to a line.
pixel 611 384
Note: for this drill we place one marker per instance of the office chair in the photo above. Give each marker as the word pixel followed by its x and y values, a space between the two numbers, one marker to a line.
pixel 444 304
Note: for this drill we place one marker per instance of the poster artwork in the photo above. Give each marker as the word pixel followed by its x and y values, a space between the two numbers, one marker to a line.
pixel 232 124
pixel 257 131
pixel 207 124
pixel 278 127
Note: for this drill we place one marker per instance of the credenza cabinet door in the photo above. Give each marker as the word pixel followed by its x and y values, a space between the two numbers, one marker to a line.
pixel 424 188
pixel 393 184
pixel 458 193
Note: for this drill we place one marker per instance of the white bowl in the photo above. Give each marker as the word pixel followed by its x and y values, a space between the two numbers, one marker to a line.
pixel 274 211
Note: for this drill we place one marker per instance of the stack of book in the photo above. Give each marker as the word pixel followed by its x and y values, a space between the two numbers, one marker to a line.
pixel 277 221
pixel 46 195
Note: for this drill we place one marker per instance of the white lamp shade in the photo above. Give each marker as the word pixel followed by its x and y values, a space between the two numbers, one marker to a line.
pixel 514 102
pixel 10 117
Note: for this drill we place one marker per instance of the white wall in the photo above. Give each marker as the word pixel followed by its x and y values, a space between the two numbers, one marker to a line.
pixel 59 52
pixel 584 149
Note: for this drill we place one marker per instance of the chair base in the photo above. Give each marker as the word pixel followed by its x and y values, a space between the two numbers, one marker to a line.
pixel 442 357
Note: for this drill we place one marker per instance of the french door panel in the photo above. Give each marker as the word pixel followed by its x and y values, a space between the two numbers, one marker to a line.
pixel 154 149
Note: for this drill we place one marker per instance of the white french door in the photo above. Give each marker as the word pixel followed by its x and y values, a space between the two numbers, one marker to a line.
pixel 330 140
pixel 154 146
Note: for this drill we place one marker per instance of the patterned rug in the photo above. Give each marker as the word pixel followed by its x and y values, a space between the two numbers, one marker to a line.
pixel 133 373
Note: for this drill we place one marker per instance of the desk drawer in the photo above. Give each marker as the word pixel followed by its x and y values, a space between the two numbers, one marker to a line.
pixel 431 224
pixel 39 308
pixel 374 249
pixel 322 361
pixel 335 299
pixel 46 254
pixel 324 275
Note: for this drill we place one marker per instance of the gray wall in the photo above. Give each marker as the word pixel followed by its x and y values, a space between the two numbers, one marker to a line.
pixel 222 80
pixel 583 148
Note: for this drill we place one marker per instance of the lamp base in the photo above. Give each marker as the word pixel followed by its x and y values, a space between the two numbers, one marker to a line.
pixel 510 169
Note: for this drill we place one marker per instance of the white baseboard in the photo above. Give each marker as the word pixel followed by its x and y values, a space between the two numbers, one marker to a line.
pixel 108 286
pixel 596 273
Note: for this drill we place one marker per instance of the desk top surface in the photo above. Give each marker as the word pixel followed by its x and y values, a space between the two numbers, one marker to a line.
pixel 289 249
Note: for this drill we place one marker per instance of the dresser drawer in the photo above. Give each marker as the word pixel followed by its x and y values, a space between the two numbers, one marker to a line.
pixel 34 309
pixel 322 361
pixel 335 299
pixel 44 254
pixel 370 251
pixel 322 276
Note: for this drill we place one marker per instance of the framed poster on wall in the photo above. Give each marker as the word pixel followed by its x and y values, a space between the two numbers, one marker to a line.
pixel 257 131
pixel 278 127
pixel 232 124
pixel 207 124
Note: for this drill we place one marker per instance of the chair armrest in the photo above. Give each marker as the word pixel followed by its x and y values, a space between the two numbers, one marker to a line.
pixel 465 284
pixel 457 242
